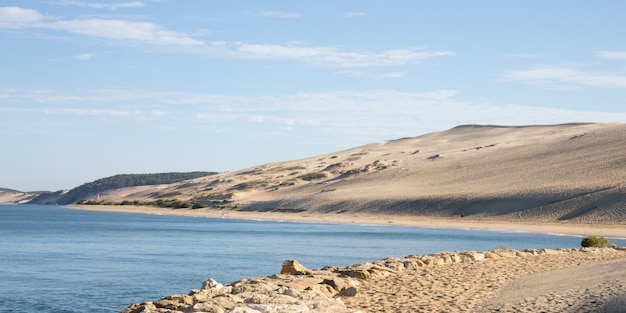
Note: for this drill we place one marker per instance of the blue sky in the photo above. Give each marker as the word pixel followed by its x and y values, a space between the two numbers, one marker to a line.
pixel 90 89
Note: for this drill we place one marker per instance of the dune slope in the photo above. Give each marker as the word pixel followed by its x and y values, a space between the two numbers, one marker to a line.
pixel 569 172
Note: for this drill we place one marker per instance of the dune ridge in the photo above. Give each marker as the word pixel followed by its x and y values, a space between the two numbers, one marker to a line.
pixel 545 173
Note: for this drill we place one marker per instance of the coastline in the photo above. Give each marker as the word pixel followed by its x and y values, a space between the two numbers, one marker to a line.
pixel 563 228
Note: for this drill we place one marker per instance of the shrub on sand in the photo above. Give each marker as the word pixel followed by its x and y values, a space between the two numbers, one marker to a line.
pixel 593 241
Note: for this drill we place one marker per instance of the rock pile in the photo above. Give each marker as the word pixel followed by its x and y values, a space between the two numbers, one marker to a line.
pixel 299 289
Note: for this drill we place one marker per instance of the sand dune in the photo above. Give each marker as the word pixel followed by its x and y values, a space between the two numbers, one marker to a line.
pixel 556 173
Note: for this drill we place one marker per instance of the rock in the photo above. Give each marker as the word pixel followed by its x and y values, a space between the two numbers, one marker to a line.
pixel 293 267
pixel 324 289
pixel 348 292
pixel 473 256
pixel 205 308
pixel 244 310
pixel 431 260
pixel 359 274
pixel 279 308
pixel 301 284
pixel 145 307
pixel 339 283
pixel 211 284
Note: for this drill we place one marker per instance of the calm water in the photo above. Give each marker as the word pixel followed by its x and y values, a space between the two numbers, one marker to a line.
pixel 54 259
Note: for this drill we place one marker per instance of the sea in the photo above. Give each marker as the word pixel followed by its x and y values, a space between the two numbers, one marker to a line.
pixel 57 259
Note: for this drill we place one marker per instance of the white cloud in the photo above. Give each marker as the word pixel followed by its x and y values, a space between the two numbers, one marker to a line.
pixel 331 56
pixel 124 30
pixel 563 77
pixel 83 56
pixel 370 74
pixel 146 32
pixel 388 114
pixel 276 14
pixel 621 55
pixel 98 5
pixel 14 17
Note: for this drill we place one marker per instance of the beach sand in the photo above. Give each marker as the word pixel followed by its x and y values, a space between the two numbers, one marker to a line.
pixel 591 280
pixel 566 228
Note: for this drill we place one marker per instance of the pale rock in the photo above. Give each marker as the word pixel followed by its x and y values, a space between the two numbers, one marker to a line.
pixel 280 308
pixel 349 292
pixel 340 283
pixel 491 255
pixel 456 258
pixel 474 256
pixel 506 253
pixel 359 274
pixel 431 260
pixel 257 298
pixel 211 284
pixel 244 310
pixel 254 285
pixel 145 307
pixel 293 267
pixel 323 289
pixel 204 307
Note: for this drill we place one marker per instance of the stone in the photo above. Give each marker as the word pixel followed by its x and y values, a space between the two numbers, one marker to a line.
pixel 348 292
pixel 206 308
pixel 339 283
pixel 324 289
pixel 244 310
pixel 302 283
pixel 145 307
pixel 293 267
pixel 211 284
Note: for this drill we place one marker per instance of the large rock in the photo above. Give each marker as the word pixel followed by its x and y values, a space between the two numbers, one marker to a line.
pixel 293 267
pixel 211 284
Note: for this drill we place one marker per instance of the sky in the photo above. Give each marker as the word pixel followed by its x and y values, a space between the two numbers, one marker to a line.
pixel 91 89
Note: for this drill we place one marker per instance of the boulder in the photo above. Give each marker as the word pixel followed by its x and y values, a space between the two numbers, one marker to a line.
pixel 293 267
pixel 145 307
pixel 211 284
pixel 349 292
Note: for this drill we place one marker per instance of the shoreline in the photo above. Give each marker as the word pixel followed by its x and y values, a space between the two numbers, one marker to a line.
pixel 616 231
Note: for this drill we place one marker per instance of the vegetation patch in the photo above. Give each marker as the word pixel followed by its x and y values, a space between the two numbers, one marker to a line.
pixel 160 203
pixel 593 241
pixel 313 176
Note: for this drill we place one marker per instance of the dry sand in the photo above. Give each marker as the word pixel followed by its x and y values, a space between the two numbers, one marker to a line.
pixel 566 228
pixel 572 282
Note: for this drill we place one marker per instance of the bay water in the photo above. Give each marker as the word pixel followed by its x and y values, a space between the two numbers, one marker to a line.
pixel 57 259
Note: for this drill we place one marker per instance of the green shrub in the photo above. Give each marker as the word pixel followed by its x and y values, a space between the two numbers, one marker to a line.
pixel 593 241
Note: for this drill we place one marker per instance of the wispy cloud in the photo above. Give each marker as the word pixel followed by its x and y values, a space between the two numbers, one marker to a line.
pixel 124 30
pixel 621 55
pixel 98 5
pixel 83 56
pixel 332 56
pixel 564 77
pixel 369 74
pixel 276 14
pixel 388 114
pixel 14 17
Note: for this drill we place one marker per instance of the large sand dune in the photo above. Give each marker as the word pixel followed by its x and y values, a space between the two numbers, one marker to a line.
pixel 570 172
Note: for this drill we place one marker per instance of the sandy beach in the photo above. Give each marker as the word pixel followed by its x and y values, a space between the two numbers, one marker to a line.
pixel 566 228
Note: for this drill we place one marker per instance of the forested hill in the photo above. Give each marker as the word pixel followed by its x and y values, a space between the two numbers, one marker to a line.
pixel 131 180
pixel 90 190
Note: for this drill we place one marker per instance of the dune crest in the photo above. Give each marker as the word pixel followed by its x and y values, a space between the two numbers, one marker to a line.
pixel 545 173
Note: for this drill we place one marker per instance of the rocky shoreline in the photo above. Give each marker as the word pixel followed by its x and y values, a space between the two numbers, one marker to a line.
pixel 350 289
